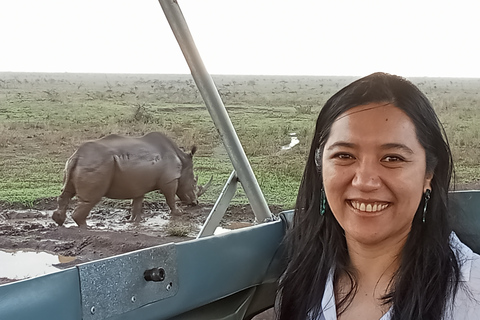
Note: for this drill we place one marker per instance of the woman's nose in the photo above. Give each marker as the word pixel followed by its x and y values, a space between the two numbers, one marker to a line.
pixel 367 176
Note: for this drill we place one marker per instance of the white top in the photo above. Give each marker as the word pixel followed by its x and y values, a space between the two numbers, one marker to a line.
pixel 467 300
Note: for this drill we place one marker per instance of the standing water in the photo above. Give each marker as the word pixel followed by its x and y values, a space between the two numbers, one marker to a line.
pixel 293 141
pixel 19 265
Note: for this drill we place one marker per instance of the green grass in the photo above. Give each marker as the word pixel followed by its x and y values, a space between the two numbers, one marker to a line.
pixel 45 117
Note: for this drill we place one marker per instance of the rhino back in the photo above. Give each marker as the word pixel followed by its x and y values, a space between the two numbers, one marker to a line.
pixel 125 168
pixel 142 165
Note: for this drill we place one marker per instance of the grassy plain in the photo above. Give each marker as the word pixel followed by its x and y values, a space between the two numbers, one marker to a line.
pixel 45 117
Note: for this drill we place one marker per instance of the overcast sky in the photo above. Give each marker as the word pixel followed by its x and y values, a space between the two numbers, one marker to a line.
pixel 301 37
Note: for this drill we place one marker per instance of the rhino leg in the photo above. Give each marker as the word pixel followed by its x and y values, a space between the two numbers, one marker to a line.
pixel 60 214
pixel 137 209
pixel 169 192
pixel 82 210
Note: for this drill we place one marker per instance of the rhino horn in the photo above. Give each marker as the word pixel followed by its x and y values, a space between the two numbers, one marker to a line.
pixel 194 149
pixel 202 189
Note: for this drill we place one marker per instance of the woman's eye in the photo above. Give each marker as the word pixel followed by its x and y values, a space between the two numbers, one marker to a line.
pixel 392 159
pixel 343 156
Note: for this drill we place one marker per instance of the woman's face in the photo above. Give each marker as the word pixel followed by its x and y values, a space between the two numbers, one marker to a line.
pixel 374 173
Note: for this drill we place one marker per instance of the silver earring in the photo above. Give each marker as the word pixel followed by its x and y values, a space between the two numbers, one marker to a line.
pixel 323 201
pixel 426 197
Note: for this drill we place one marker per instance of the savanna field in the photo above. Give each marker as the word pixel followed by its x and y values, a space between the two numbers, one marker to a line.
pixel 44 117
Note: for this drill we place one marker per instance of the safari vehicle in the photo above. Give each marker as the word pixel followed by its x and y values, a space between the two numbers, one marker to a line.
pixel 229 276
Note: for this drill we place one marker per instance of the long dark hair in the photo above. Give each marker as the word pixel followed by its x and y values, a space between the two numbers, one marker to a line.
pixel 429 272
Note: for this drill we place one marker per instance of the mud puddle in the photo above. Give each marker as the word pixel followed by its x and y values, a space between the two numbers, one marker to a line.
pixel 18 265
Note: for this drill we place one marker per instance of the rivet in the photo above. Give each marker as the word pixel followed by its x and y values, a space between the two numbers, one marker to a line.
pixel 133 299
pixel 169 286
pixel 92 310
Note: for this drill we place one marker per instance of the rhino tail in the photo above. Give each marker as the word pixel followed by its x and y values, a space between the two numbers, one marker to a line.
pixel 68 191
pixel 67 174
pixel 194 149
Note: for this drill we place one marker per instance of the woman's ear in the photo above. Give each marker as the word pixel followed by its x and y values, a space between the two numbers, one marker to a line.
pixel 428 179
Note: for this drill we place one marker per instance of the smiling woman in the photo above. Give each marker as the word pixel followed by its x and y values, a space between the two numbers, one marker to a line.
pixel 372 235
pixel 374 173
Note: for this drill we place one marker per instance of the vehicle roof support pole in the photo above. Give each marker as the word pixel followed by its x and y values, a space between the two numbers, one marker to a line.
pixel 217 110
pixel 220 207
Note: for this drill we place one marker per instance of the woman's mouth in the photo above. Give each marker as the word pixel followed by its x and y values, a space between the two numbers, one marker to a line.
pixel 373 207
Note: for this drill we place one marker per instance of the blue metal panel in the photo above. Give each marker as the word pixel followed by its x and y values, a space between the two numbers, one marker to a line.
pixel 208 269
pixel 215 267
pixel 52 296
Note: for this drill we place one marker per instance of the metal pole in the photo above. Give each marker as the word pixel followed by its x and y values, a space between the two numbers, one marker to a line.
pixel 220 207
pixel 217 110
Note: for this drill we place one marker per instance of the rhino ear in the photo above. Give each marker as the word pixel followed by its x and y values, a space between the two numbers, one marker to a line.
pixel 194 149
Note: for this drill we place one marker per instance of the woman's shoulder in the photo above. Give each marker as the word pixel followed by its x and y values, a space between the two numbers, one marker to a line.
pixel 473 280
pixel 473 274
pixel 469 262
pixel 467 300
pixel 475 262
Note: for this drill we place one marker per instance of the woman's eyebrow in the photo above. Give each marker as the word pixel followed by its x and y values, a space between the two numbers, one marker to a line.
pixel 401 146
pixel 343 144
pixel 386 146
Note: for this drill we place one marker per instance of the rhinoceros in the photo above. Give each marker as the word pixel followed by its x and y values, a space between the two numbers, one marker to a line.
pixel 120 167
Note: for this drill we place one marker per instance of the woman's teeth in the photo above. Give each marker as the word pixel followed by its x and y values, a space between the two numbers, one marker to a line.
pixel 369 207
